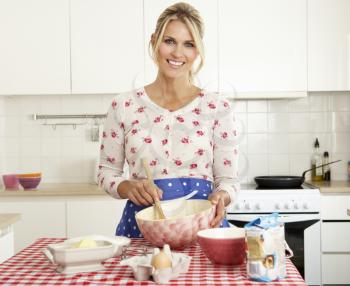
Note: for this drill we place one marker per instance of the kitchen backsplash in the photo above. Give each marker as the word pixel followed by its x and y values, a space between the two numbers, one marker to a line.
pixel 276 135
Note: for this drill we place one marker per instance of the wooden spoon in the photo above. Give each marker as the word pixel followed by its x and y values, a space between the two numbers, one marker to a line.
pixel 150 178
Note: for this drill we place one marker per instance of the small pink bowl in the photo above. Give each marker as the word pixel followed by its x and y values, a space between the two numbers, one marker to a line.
pixel 10 182
pixel 223 245
pixel 29 183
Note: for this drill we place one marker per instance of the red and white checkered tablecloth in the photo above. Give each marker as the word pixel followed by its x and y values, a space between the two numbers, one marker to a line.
pixel 31 267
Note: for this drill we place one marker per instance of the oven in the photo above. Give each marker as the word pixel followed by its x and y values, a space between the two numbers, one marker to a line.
pixel 299 209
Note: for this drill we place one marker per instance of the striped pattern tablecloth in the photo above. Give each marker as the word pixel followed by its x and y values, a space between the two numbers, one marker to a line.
pixel 31 267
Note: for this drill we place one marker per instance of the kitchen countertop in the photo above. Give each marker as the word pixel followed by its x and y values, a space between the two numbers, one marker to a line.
pixel 8 219
pixel 333 187
pixel 57 190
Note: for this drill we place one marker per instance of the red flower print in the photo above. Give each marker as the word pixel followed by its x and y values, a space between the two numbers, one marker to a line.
pixel 121 125
pixel 207 165
pixel 195 123
pixel 225 104
pixel 153 163
pixel 110 159
pixel 216 122
pixel 133 131
pixel 141 109
pixel 104 134
pixel 148 140
pixel 211 105
pixel 134 175
pixel 185 140
pixel 164 141
pixel 158 119
pixel 133 150
pixel 167 153
pixel 167 127
pixel 200 133
pixel 139 93
pixel 178 162
pixel 134 122
pixel 128 103
pixel 102 147
pixel 111 185
pixel 224 135
pixel 196 111
pixel 133 163
pixel 99 167
pixel 193 166
pixel 201 94
pixel 114 134
pixel 114 104
pixel 227 162
pixel 200 152
pixel 165 172
pixel 180 119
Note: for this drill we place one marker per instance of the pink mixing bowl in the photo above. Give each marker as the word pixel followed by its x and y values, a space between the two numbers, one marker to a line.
pixel 180 230
pixel 223 245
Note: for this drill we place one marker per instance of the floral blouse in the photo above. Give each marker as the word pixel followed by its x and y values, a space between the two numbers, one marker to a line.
pixel 197 140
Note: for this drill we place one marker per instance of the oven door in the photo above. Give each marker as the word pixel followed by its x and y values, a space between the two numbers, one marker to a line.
pixel 303 235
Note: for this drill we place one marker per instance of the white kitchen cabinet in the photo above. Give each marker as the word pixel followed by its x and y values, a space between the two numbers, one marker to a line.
pixel 208 76
pixel 335 231
pixel 328 47
pixel 263 48
pixel 34 50
pixel 106 45
pixel 93 216
pixel 39 218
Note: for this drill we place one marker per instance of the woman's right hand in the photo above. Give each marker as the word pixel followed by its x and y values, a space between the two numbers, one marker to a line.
pixel 140 192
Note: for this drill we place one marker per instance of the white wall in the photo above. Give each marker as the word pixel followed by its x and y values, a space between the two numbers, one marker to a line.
pixel 278 135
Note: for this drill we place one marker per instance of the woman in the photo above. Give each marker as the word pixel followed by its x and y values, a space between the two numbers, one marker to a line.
pixel 186 133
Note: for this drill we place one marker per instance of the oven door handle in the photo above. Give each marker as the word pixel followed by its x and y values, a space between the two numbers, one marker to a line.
pixel 285 218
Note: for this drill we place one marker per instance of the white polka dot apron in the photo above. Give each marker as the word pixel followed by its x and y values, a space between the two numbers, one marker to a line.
pixel 172 189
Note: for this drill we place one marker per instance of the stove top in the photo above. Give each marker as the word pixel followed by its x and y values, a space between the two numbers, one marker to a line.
pixel 256 200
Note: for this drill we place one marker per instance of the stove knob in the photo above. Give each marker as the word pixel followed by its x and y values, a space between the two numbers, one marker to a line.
pixel 288 205
pixel 257 206
pixel 278 206
pixel 239 206
pixel 306 205
pixel 296 205
pixel 247 206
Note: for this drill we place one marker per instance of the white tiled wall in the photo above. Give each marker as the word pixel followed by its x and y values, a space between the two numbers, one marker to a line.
pixel 276 135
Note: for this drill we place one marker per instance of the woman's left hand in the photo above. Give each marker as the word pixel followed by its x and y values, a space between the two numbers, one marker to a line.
pixel 221 199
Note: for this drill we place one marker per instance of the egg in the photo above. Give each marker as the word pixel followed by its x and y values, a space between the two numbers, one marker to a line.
pixel 161 260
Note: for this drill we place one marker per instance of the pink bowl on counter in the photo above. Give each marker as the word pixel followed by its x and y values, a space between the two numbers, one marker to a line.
pixel 10 182
pixel 178 231
pixel 223 245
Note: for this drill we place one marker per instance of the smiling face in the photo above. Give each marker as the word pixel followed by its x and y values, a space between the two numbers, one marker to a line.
pixel 177 51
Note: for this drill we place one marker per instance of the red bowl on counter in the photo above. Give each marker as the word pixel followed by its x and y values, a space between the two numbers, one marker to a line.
pixel 29 183
pixel 223 245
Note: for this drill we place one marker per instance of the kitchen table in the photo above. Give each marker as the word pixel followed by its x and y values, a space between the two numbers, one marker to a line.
pixel 31 267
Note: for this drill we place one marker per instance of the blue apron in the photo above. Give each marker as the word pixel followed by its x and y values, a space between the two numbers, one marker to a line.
pixel 172 189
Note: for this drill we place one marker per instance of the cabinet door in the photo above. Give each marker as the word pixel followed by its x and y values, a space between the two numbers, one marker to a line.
pixel 93 216
pixel 208 76
pixel 329 40
pixel 262 46
pixel 38 219
pixel 106 44
pixel 34 50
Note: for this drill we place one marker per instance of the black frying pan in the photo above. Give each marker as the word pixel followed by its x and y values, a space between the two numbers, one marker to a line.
pixel 285 182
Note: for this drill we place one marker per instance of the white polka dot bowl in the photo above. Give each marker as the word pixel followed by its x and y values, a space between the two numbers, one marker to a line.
pixel 180 230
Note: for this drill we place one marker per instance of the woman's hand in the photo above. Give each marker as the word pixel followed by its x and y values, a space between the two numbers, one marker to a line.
pixel 141 192
pixel 221 199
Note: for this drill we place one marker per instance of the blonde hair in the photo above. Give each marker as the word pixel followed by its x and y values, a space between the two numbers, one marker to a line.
pixel 191 18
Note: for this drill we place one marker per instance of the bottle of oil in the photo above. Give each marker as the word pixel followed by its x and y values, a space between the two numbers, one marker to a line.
pixel 326 169
pixel 316 160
